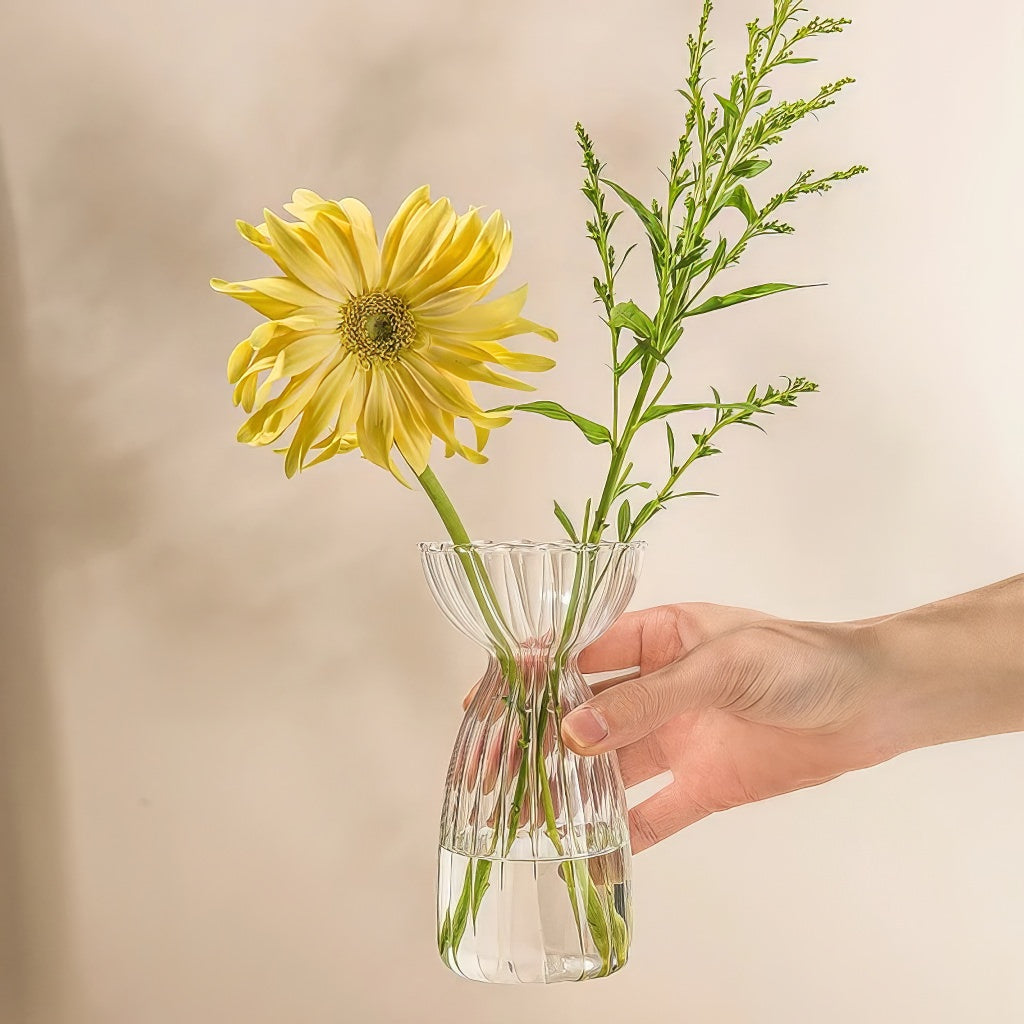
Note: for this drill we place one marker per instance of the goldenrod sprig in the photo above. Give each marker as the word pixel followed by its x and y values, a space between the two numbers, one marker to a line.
pixel 724 145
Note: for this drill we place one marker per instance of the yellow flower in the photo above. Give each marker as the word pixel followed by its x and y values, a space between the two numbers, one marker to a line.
pixel 375 345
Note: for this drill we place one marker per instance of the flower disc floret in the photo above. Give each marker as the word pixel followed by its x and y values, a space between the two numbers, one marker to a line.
pixel 376 327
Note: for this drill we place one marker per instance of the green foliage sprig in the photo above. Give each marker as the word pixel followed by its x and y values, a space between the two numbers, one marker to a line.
pixel 725 144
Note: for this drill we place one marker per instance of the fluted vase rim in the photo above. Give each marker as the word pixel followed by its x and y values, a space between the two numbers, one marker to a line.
pixel 432 547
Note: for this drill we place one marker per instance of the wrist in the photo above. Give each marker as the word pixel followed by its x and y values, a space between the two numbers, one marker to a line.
pixel 952 670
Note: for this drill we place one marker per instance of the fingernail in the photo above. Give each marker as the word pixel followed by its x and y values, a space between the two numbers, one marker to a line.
pixel 586 726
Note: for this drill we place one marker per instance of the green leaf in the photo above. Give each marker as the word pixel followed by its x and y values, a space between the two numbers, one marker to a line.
pixel 740 198
pixel 692 494
pixel 631 360
pixel 763 97
pixel 659 412
pixel 462 908
pixel 625 520
pixel 719 257
pixel 648 512
pixel 643 348
pixel 743 295
pixel 444 938
pixel 671 448
pixel 481 883
pixel 645 484
pixel 751 423
pixel 729 107
pixel 799 60
pixel 593 432
pixel 751 168
pixel 652 224
pixel 566 522
pixel 633 318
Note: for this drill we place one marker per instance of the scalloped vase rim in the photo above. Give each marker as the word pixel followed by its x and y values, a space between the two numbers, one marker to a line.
pixel 434 547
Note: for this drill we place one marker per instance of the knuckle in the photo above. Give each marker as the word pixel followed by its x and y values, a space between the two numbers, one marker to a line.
pixel 635 706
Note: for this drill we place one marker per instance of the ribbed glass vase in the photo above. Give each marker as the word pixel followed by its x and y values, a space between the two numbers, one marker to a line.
pixel 534 862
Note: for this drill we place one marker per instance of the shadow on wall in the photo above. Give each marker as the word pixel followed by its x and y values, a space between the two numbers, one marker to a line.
pixel 33 936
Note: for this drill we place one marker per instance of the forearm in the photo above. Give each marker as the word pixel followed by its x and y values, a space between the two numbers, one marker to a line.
pixel 954 669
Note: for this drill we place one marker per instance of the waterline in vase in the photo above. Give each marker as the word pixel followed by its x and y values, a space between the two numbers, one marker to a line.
pixel 529 921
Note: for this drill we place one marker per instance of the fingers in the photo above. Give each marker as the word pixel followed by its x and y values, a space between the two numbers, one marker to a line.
pixel 655 637
pixel 669 811
pixel 629 711
pixel 641 761
pixel 603 684
pixel 619 647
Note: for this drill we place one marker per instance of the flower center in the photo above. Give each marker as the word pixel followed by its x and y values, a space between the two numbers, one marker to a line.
pixel 376 327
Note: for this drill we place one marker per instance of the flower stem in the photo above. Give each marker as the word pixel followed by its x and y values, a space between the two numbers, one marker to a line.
pixel 476 572
pixel 443 504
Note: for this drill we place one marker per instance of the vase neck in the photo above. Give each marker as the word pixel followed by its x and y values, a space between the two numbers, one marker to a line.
pixel 514 598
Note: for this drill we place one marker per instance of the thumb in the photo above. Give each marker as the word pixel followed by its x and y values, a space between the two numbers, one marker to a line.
pixel 709 676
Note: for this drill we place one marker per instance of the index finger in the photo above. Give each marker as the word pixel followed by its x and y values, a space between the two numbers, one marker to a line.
pixel 619 647
pixel 651 638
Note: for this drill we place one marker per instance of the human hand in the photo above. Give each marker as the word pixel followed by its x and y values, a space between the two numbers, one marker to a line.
pixel 737 705
pixel 740 706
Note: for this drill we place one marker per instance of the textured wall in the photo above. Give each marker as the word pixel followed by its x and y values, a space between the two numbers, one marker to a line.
pixel 227 699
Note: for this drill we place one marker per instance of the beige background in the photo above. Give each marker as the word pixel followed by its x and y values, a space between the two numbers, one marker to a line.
pixel 227 700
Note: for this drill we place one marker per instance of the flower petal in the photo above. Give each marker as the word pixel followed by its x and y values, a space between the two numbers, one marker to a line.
pixel 322 408
pixel 449 393
pixel 470 370
pixel 266 425
pixel 361 221
pixel 487 351
pixel 440 423
pixel 339 245
pixel 412 435
pixel 487 318
pixel 300 261
pixel 451 302
pixel 334 446
pixel 415 201
pixel 306 204
pixel 274 297
pixel 428 229
pixel 469 258
pixel 376 426
pixel 353 400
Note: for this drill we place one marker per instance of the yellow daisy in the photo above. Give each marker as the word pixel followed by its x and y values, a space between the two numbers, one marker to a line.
pixel 372 347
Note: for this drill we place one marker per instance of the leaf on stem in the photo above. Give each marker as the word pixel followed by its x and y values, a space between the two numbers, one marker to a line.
pixel 652 224
pixel 751 168
pixel 625 520
pixel 593 432
pixel 566 522
pixel 739 197
pixel 731 110
pixel 633 318
pixel 659 412
pixel 743 295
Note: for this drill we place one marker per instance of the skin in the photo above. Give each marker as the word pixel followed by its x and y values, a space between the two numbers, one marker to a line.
pixel 740 706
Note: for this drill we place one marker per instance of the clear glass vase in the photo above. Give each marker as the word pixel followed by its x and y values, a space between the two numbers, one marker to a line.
pixel 534 862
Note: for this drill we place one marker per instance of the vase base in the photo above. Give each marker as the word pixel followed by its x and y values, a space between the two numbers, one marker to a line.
pixel 534 921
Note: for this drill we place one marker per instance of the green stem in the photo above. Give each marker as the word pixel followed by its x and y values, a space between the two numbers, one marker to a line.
pixel 476 573
pixel 443 504
pixel 619 455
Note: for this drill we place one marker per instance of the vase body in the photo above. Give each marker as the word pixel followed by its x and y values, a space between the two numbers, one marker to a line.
pixel 534 862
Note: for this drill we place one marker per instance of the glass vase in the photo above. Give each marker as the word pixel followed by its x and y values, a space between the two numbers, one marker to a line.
pixel 534 861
